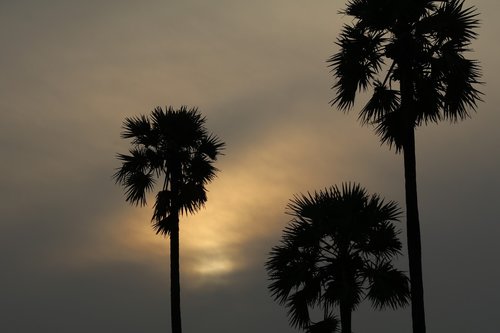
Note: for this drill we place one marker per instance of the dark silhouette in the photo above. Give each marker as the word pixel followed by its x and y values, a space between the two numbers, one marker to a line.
pixel 172 146
pixel 337 251
pixel 412 53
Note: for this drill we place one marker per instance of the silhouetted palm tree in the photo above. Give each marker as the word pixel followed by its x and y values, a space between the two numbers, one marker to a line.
pixel 337 251
pixel 412 53
pixel 174 147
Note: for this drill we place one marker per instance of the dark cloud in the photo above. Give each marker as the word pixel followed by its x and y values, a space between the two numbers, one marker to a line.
pixel 76 258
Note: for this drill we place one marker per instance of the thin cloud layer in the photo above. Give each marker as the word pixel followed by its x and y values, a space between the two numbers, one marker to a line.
pixel 77 258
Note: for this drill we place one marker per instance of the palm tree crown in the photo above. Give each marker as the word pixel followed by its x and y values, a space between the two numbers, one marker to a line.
pixel 336 251
pixel 173 145
pixel 421 42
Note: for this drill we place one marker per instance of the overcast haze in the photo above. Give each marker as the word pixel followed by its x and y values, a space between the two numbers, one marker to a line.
pixel 77 258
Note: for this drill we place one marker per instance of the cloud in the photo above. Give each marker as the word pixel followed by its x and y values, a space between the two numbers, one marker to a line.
pixel 78 258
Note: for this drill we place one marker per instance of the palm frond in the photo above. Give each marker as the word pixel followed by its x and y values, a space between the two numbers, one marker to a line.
pixel 192 197
pixel 139 129
pixel 390 128
pixel 302 206
pixel 178 128
pixel 388 287
pixel 333 285
pixel 345 288
pixel 356 63
pixel 137 184
pixel 352 192
pixel 377 235
pixel 163 206
pixel 452 22
pixel 460 92
pixel 211 146
pixel 383 101
pixel 376 15
pixel 298 310
pixel 165 225
pixel 136 161
pixel 428 99
pixel 292 264
pixel 284 272
pixel 200 169
pixel 383 242
pixel 383 211
pixel 135 175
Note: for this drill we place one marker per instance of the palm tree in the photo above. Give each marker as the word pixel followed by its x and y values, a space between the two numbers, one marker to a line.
pixel 171 148
pixel 337 251
pixel 412 53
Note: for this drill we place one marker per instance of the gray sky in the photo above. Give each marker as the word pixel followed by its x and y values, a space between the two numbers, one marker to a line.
pixel 76 258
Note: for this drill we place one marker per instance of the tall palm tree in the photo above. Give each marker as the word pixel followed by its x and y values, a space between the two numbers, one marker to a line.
pixel 412 53
pixel 337 251
pixel 171 148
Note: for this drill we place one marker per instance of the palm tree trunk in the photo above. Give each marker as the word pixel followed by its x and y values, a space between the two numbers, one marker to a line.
pixel 413 235
pixel 345 318
pixel 346 296
pixel 175 286
pixel 412 219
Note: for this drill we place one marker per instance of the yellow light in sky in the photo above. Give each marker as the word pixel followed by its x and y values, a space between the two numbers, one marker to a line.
pixel 245 204
pixel 214 265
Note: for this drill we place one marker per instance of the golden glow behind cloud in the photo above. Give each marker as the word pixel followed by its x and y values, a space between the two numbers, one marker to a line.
pixel 246 203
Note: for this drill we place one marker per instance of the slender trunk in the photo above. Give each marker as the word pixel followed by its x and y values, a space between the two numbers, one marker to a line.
pixel 175 284
pixel 175 287
pixel 413 235
pixel 346 296
pixel 412 220
pixel 345 318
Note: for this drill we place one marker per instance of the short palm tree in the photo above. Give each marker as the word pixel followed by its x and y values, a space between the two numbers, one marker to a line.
pixel 172 149
pixel 337 251
pixel 412 53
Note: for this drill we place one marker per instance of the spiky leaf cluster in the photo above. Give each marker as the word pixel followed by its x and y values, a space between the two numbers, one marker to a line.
pixel 429 38
pixel 173 148
pixel 336 250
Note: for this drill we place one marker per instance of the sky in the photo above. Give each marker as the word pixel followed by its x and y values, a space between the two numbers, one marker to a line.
pixel 76 257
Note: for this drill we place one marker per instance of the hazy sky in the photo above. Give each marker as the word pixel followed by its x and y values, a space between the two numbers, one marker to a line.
pixel 76 258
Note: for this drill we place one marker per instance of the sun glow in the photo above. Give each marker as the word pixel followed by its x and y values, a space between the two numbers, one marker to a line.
pixel 207 252
pixel 245 205
pixel 214 265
